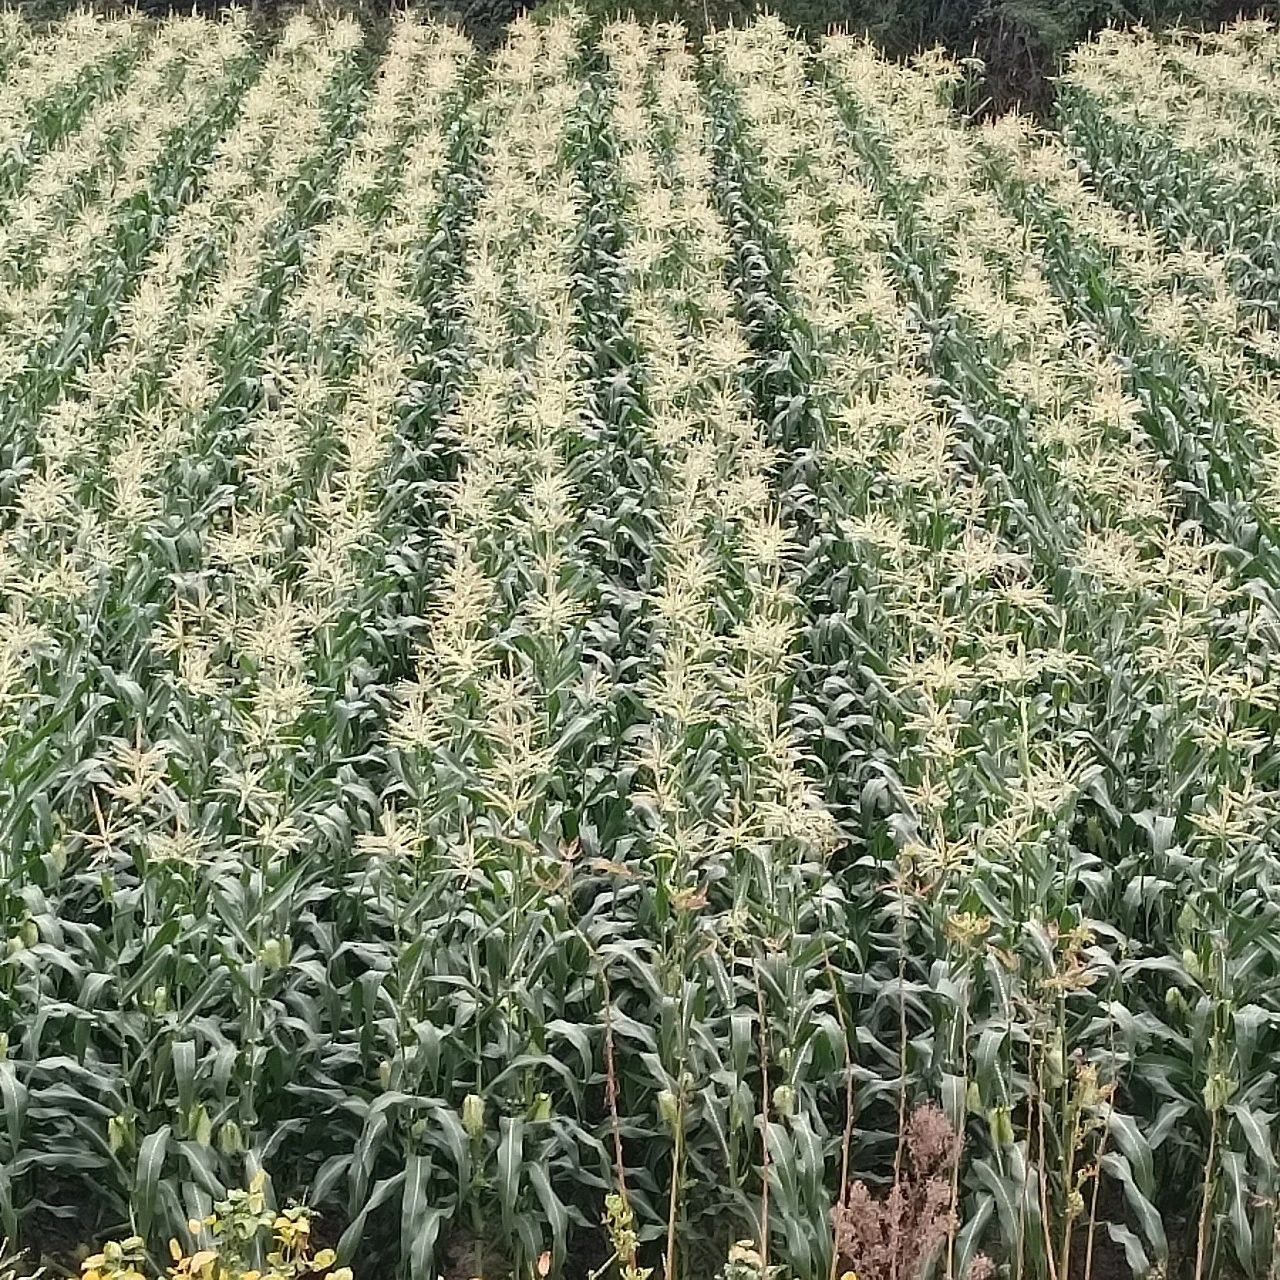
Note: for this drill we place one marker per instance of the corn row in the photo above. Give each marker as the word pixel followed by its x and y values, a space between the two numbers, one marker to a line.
pixel 38 101
pixel 189 74
pixel 54 182
pixel 475 732
pixel 1202 180
pixel 15 34
pixel 1179 583
pixel 61 548
pixel 508 427
pixel 1211 102
pixel 156 354
pixel 292 548
pixel 1183 298
pixel 721 842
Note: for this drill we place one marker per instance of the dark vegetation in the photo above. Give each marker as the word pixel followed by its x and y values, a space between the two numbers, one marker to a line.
pixel 1018 42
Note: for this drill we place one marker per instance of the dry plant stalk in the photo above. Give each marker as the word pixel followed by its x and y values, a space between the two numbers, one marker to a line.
pixel 879 1238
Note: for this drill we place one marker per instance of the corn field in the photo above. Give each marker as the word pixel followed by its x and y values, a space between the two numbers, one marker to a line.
pixel 609 626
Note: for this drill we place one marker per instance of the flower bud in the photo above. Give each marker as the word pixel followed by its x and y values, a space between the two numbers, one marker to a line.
pixel 1055 1067
pixel 473 1116
pixel 1218 1091
pixel 230 1139
pixel 119 1134
pixel 201 1127
pixel 669 1110
pixel 1187 919
pixel 1000 1126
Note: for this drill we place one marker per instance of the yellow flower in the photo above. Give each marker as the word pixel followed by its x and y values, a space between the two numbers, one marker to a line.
pixel 342 1273
pixel 325 1258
